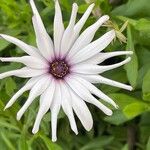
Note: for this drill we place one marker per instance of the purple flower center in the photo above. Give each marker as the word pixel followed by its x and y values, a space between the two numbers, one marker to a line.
pixel 59 68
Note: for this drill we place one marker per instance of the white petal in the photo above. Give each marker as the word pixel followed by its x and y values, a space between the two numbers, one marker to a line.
pixel 79 25
pixel 87 36
pixel 58 28
pixel 25 88
pixel 37 90
pixel 100 79
pixel 32 51
pixel 99 58
pixel 82 111
pixel 23 73
pixel 95 69
pixel 55 108
pixel 46 100
pixel 67 106
pixel 43 40
pixel 82 91
pixel 68 34
pixel 29 61
pixel 96 91
pixel 93 48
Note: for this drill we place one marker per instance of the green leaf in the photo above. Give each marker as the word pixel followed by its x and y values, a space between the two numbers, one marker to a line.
pixel 148 144
pixel 3 44
pixel 50 145
pixel 8 125
pixel 132 66
pixel 135 109
pixel 10 86
pixel 117 75
pixel 98 143
pixel 146 86
pixel 7 141
pixel 130 106
pixel 142 72
pixel 22 143
pixel 117 118
pixel 82 8
pixel 126 147
pixel 134 8
pixel 12 66
pixel 143 25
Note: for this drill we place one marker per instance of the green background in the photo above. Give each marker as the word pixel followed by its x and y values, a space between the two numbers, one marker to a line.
pixel 129 127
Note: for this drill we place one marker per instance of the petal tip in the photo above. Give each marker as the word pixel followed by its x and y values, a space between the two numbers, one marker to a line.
pixel 92 5
pixel 131 52
pixel 89 128
pixel 131 88
pixel 106 17
pixel 6 107
pixel 18 116
pixel 34 131
pixel 75 6
pixel 117 107
pixel 109 112
pixel 128 59
pixel 76 132
pixel 54 139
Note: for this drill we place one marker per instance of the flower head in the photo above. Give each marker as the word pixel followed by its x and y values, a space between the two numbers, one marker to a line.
pixel 62 71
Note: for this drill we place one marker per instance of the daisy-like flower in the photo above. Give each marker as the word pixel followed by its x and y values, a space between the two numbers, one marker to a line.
pixel 62 71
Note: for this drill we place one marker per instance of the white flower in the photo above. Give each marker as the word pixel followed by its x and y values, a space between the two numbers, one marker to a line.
pixel 62 72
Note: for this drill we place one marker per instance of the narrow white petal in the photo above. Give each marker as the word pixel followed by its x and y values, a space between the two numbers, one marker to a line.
pixel 95 69
pixel 67 106
pixel 29 61
pixel 23 73
pixel 32 51
pixel 93 48
pixel 37 90
pixel 58 28
pixel 87 36
pixel 100 79
pixel 68 34
pixel 43 40
pixel 84 93
pixel 55 108
pixel 99 58
pixel 82 111
pixel 25 88
pixel 79 25
pixel 96 91
pixel 45 103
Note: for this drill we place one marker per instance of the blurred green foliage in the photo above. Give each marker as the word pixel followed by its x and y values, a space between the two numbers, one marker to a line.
pixel 128 128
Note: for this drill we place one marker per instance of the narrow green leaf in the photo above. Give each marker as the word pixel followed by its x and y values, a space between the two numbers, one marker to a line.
pixel 146 86
pixel 8 125
pixel 50 145
pixel 132 66
pixel 22 143
pixel 7 141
